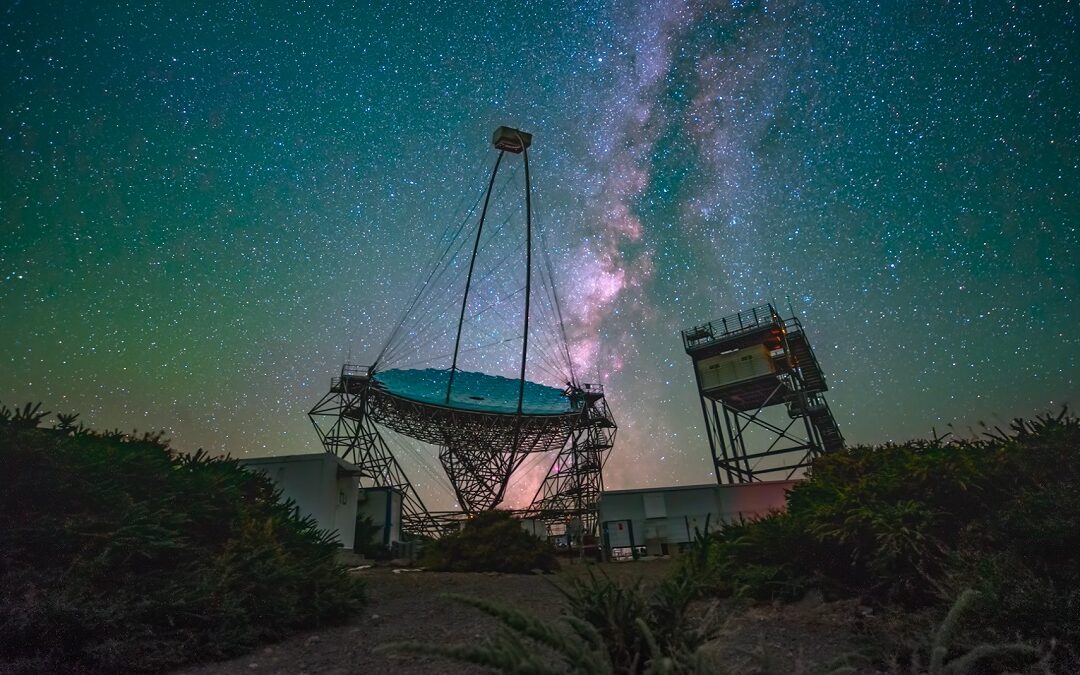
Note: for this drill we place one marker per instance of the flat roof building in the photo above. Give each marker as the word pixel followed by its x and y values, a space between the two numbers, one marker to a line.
pixel 322 485
pixel 657 521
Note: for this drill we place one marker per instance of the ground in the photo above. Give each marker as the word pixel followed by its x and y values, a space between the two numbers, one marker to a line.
pixel 408 606
pixel 811 636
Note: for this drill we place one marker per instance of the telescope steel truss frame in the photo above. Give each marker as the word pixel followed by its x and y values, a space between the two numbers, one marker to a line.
pixel 350 434
pixel 571 490
pixel 479 451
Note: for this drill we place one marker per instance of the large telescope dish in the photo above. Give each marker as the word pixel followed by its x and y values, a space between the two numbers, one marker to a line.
pixel 484 425
pixel 476 392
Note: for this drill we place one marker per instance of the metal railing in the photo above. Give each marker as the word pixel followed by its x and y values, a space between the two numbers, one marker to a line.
pixel 350 374
pixel 740 322
pixel 354 370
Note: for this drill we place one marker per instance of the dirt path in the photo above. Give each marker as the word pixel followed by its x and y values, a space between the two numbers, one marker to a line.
pixel 806 637
pixel 409 606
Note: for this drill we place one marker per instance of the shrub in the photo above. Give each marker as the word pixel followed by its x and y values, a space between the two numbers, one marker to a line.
pixel 368 539
pixel 609 628
pixel 635 625
pixel 117 553
pixel 493 541
pixel 917 523
pixel 761 559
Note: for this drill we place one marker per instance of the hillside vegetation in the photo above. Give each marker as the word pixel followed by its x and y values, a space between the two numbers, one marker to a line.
pixel 492 541
pixel 913 526
pixel 118 553
pixel 966 555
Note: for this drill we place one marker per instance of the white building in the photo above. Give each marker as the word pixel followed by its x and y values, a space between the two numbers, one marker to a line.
pixel 323 486
pixel 657 521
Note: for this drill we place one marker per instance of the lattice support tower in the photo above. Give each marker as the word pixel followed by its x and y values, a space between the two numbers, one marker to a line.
pixel 568 498
pixel 343 421
pixel 747 366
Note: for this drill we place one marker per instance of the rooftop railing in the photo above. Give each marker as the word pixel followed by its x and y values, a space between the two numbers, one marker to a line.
pixel 351 374
pixel 740 322
pixel 354 370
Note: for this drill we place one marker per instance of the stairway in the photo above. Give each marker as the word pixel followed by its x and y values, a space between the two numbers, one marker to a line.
pixel 823 420
pixel 813 378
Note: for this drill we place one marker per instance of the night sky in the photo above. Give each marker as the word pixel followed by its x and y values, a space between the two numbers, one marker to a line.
pixel 206 210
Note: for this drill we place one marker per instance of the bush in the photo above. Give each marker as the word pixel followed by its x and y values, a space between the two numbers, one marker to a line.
pixel 762 560
pixel 367 539
pixel 493 541
pixel 636 626
pixel 609 628
pixel 917 523
pixel 118 553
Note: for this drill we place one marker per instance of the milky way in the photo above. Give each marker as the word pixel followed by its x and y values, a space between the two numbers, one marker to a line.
pixel 208 209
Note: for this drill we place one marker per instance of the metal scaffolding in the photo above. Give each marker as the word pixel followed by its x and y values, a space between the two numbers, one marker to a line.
pixel 569 496
pixel 746 365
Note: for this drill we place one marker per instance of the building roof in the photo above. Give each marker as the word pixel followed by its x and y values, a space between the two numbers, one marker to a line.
pixel 344 468
pixel 706 486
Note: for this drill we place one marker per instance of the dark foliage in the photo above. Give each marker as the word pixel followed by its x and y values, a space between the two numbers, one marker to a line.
pixel 917 523
pixel 638 626
pixel 609 629
pixel 368 539
pixel 119 554
pixel 493 541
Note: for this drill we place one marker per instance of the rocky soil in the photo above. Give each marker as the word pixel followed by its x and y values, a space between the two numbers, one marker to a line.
pixel 409 606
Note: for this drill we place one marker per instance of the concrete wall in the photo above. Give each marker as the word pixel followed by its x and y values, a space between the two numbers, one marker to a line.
pixel 665 517
pixel 323 487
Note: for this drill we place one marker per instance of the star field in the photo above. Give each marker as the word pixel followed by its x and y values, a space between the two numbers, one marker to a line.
pixel 207 209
